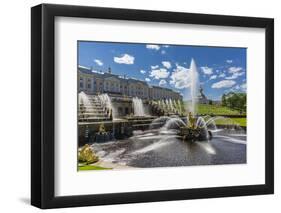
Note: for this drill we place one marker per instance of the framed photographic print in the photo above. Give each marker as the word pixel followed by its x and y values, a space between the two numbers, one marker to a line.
pixel 140 106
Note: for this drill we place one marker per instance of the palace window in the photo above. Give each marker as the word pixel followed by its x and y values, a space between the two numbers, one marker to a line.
pixel 81 83
pixel 88 83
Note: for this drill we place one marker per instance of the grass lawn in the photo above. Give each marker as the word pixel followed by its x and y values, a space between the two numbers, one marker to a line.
pixel 207 109
pixel 91 167
pixel 216 110
pixel 241 121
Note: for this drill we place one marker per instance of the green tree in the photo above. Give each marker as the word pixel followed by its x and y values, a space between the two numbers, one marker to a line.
pixel 223 100
pixel 235 101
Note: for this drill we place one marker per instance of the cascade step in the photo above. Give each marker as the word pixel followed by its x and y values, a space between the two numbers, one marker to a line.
pixel 92 115
pixel 91 107
pixel 94 119
pixel 92 110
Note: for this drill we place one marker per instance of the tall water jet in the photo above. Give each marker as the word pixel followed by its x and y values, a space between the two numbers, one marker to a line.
pixel 171 106
pixel 194 83
pixel 163 104
pixel 180 107
pixel 83 99
pixel 176 106
pixel 106 102
pixel 138 107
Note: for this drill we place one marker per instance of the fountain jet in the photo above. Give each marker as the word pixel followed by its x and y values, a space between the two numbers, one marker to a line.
pixel 138 107
pixel 84 99
pixel 106 102
pixel 194 85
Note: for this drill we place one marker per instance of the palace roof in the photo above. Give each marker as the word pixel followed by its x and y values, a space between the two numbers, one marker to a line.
pixel 101 74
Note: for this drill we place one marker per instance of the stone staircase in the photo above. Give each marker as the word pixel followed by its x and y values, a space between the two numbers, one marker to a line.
pixel 93 111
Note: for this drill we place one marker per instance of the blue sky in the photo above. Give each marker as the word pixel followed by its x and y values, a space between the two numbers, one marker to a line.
pixel 220 69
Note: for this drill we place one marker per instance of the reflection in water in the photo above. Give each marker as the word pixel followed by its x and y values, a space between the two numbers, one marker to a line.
pixel 163 147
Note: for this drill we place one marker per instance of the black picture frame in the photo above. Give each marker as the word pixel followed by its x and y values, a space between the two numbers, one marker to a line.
pixel 43 105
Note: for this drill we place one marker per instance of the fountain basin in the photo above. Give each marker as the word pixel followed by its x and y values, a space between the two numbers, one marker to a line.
pixel 103 137
pixel 197 134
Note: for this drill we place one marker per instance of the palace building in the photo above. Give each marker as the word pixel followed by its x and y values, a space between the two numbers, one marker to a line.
pixel 96 82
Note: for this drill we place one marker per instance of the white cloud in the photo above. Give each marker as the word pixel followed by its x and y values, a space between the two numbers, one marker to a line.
pixel 147 79
pixel 163 52
pixel 159 73
pixel 162 82
pixel 229 61
pixel 213 77
pixel 98 62
pixel 223 84
pixel 153 47
pixel 235 75
pixel 181 77
pixel 167 64
pixel 124 59
pixel 154 67
pixel 142 71
pixel 207 70
pixel 166 46
pixel 234 69
pixel 222 75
